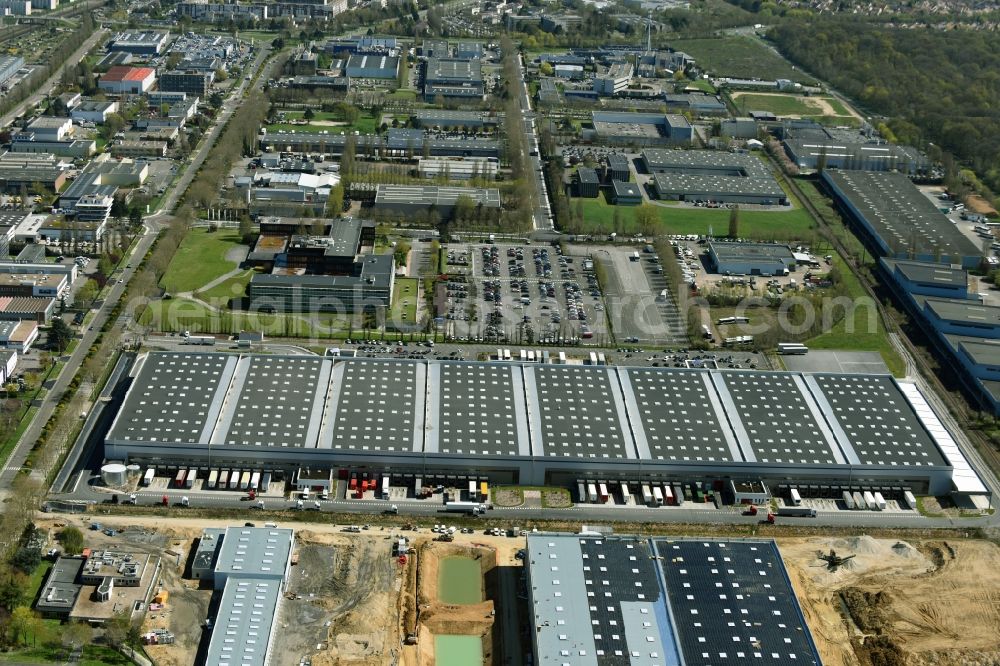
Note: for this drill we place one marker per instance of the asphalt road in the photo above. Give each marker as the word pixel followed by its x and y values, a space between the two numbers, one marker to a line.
pixel 49 85
pixel 152 227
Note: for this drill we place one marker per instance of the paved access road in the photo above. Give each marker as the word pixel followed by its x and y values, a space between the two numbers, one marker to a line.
pixel 153 224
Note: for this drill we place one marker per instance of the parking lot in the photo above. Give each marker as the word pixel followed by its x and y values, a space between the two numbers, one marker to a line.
pixel 521 293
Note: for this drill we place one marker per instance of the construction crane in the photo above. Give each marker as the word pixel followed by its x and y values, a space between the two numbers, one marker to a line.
pixel 833 560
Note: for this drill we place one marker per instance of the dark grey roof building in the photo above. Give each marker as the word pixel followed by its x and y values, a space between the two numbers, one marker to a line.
pixel 530 423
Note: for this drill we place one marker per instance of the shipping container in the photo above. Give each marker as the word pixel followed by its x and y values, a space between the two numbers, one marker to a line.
pixel 562 358
pixel 179 479
pixel 869 500
pixel 499 354
pixel 859 500
pixel 353 483
pixel 255 481
pixel 524 356
pixel 668 494
pixel 418 487
pixel 625 492
pixel 484 491
pixel 601 359
pixel 531 356
pixel 880 503
pixel 191 477
pixel 245 480
pixel 795 497
pixel 848 500
pixel 602 493
pixel 591 492
pixel 581 492
pixel 506 354
pixel 149 476
pixel 678 495
pixel 657 496
pixel 593 358
pixel 473 492
pixel 910 500
pixel 234 479
pixel 213 478
pixel 223 479
pixel 265 482
pixel 385 487
pixel 647 494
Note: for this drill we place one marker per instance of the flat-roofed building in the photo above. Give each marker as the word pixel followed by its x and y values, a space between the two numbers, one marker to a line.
pixel 641 129
pixel 928 279
pixel 124 80
pixel 738 258
pixel 457 169
pixel 368 288
pixel 27 142
pixel 847 428
pixel 453 77
pixel 587 183
pixel 188 81
pixel 617 167
pixel 139 43
pixel 897 220
pixel 614 80
pixel 50 128
pixel 94 111
pixel 372 66
pixel 22 170
pixel 18 335
pixel 408 199
pixel 716 176
pixel 41 285
pixel 625 194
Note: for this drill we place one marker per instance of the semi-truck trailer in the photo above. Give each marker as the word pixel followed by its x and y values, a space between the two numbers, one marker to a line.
pixel 797 512
pixel 471 508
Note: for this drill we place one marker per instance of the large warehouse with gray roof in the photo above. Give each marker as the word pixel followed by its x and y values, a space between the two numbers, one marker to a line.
pixel 531 423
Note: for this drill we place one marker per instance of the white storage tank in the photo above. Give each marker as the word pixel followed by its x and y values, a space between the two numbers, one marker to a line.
pixel 114 474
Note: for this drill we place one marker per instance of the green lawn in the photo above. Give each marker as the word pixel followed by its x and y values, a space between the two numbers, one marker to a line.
pixel 404 301
pixel 781 105
pixel 200 259
pixel 364 124
pixel 52 652
pixel 796 223
pixel 741 57
pixel 234 287
pixel 703 85
pixel 181 314
pixel 38 578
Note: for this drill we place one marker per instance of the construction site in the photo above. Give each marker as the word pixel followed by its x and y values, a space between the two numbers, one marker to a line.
pixel 420 596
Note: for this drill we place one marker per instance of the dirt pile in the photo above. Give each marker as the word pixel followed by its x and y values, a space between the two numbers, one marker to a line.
pixel 932 603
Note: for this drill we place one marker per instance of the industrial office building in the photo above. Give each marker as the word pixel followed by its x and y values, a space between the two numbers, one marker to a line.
pixel 398 143
pixel 608 599
pixel 190 82
pixel 894 218
pixel 535 424
pixel 457 169
pixel 98 585
pixel 409 199
pixel 18 336
pixel 27 142
pixel 587 183
pixel 9 66
pixel 123 80
pixel 965 331
pixel 453 78
pixel 249 568
pixel 737 258
pixel 716 176
pixel 19 170
pixel 443 118
pixel 139 43
pixel 50 128
pixel 616 167
pixel 640 129
pixel 93 111
pixel 696 102
pixel 372 67
pixel 625 194
pixel 614 80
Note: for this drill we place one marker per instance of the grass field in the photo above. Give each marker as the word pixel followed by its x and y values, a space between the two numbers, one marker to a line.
pixel 741 57
pixel 404 301
pixel 854 331
pixel 365 124
pixel 200 259
pixel 234 287
pixel 52 652
pixel 599 218
pixel 795 105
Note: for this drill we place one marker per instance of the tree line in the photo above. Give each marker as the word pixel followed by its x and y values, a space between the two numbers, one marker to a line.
pixel 939 89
